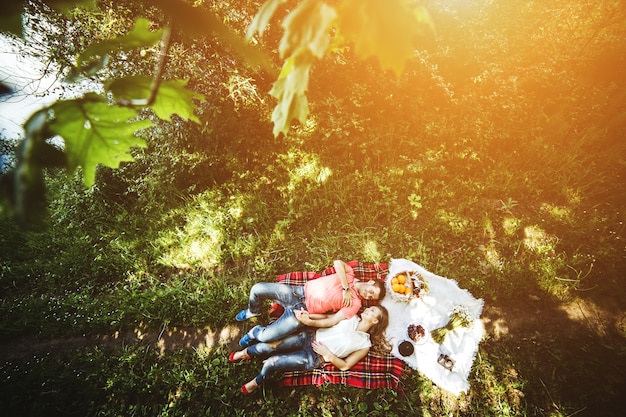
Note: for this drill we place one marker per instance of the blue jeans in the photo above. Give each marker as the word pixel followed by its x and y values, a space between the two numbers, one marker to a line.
pixel 291 297
pixel 293 353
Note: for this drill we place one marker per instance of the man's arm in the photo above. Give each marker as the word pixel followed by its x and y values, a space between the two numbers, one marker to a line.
pixel 316 321
pixel 340 270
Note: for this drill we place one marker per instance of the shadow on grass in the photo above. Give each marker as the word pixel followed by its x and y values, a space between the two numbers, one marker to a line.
pixel 163 340
pixel 568 356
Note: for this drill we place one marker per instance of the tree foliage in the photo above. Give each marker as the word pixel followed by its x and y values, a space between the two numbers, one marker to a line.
pixel 495 157
pixel 387 33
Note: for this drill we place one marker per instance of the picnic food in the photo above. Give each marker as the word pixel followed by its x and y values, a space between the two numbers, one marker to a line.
pixel 416 332
pixel 406 285
pixel 405 348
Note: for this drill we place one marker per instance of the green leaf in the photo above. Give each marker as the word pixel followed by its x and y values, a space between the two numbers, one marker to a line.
pixel 290 90
pixel 11 17
pixel 11 12
pixel 172 97
pixel 139 36
pixel 386 29
pixel 95 133
pixel 263 17
pixel 201 22
pixel 307 27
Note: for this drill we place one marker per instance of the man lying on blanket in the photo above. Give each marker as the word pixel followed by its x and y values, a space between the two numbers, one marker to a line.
pixel 339 293
pixel 343 345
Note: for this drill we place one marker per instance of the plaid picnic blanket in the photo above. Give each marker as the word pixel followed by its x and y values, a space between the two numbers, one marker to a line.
pixel 373 371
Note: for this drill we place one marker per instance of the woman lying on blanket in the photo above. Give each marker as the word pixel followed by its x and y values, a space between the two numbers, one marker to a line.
pixel 339 293
pixel 343 344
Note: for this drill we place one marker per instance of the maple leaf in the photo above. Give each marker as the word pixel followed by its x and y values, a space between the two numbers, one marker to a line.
pixel 139 36
pixel 263 17
pixel 307 27
pixel 95 133
pixel 290 90
pixel 383 29
pixel 172 97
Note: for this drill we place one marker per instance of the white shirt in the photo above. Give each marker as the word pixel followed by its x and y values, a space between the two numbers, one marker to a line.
pixel 343 338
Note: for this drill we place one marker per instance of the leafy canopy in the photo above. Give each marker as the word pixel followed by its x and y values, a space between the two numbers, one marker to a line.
pixel 96 131
pixel 387 30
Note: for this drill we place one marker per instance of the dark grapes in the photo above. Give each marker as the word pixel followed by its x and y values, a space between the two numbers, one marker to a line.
pixel 416 332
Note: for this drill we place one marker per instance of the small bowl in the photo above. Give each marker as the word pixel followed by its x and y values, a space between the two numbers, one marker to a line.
pixel 406 348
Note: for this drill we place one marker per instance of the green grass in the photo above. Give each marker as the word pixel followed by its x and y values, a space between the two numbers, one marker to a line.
pixel 532 225
pixel 194 265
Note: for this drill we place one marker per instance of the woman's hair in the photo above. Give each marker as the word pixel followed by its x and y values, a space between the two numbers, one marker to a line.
pixel 380 344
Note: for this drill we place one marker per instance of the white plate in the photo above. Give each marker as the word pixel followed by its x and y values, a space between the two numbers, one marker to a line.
pixel 423 339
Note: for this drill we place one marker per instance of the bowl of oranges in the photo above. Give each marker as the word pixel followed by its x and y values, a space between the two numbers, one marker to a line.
pixel 406 285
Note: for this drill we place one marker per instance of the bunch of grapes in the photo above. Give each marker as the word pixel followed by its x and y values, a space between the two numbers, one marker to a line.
pixel 416 332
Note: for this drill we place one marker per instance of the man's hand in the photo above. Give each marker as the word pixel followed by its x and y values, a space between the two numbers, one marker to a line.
pixel 347 298
pixel 303 317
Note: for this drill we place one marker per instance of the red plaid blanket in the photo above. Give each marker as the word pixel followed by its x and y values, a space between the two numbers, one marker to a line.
pixel 374 371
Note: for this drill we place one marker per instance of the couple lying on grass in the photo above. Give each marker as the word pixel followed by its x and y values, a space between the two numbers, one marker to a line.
pixel 320 324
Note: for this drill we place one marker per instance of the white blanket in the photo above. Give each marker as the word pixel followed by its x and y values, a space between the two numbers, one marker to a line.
pixel 433 311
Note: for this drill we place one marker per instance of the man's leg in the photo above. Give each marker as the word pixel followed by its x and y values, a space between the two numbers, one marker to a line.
pixel 286 295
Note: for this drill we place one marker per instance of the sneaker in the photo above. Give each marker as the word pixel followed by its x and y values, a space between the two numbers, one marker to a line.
pixel 245 341
pixel 244 315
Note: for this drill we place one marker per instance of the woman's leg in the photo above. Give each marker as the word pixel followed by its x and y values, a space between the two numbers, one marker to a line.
pixel 296 341
pixel 299 360
pixel 302 358
pixel 284 326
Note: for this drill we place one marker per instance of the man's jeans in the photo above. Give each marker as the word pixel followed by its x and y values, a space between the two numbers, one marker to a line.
pixel 293 353
pixel 291 297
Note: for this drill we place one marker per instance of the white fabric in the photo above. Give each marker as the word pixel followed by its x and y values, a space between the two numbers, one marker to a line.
pixel 342 339
pixel 433 311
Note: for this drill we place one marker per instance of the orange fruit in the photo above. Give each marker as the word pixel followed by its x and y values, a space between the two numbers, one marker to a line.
pixel 395 280
pixel 401 278
pixel 396 287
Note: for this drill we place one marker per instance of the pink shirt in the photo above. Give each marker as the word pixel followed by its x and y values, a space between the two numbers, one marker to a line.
pixel 325 295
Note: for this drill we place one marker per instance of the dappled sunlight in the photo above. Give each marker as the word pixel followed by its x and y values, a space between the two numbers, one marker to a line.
pixel 594 318
pixel 495 324
pixel 495 159
pixel 198 240
pixel 502 388
pixel 305 169
pixel 492 256
pixel 560 213
pixel 537 240
pixel 456 222
pixel 203 340
pixel 573 196
pixel 243 91
pixel 371 252
pixel 511 225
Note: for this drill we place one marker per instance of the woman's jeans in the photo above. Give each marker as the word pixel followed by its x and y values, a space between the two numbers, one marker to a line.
pixel 293 353
pixel 291 297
